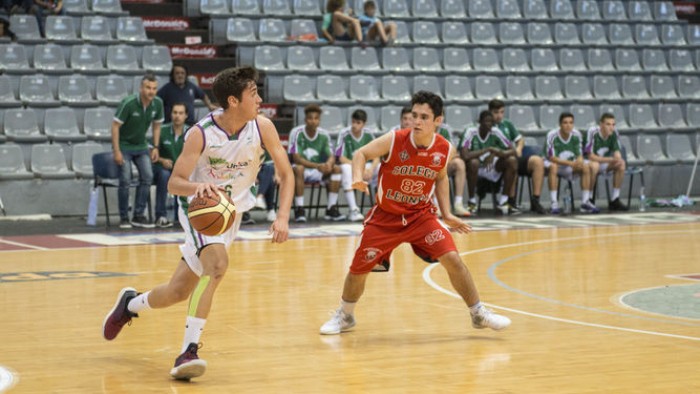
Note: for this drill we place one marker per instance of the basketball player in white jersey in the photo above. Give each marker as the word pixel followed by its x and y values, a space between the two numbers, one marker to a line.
pixel 222 151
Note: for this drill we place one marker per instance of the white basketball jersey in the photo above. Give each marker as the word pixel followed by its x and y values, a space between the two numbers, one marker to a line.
pixel 232 162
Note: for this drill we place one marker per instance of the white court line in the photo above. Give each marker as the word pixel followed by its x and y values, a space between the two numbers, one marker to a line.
pixel 427 278
pixel 22 244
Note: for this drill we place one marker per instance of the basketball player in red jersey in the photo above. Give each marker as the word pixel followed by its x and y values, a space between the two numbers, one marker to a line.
pixel 414 165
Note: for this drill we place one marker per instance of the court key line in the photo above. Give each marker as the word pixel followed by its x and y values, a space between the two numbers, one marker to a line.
pixel 5 241
pixel 429 280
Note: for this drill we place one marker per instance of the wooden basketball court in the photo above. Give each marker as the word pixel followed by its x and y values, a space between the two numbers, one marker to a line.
pixel 561 287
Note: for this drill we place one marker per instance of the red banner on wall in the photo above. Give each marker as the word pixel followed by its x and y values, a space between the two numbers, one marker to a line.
pixel 193 51
pixel 165 23
pixel 205 80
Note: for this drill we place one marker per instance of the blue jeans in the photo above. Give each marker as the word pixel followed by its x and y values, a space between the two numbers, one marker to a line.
pixel 161 176
pixel 143 163
pixel 266 184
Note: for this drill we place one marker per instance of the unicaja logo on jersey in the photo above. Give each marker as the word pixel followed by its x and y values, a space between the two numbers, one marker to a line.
pixel 371 253
pixel 435 236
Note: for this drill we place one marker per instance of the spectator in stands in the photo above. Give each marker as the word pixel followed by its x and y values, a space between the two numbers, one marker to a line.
pixel 5 29
pixel 181 90
pixel 267 179
pixel 310 147
pixel 337 25
pixel 529 162
pixel 602 146
pixel 489 154
pixel 135 114
pixel 350 140
pixel 406 121
pixel 564 153
pixel 373 27
pixel 172 138
pixel 43 8
pixel 17 6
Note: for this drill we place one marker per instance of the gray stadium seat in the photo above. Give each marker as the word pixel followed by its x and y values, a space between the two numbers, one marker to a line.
pixel 364 59
pixel 429 83
pixel 395 59
pixel 302 28
pixel 535 9
pixel 49 162
pixel 681 60
pixel 75 90
pixel 22 125
pixel 97 123
pixel 523 117
pixel 634 87
pixel 549 116
pixel 539 34
pixel 515 59
pixel 511 33
pixel 109 7
pixel 587 10
pixel 480 9
pixel 680 148
pixel 77 7
pixel 452 9
pixel 485 59
pixel 548 88
pixel 620 34
pixel 268 58
pixel 214 7
pixel 131 29
pixel 25 28
pixel 508 9
pixel 299 88
pixel 483 33
pixel 61 125
pixel 276 7
pixel 241 30
pixel 649 149
pixel 402 36
pixel 332 58
pixel 396 9
pixel 250 7
pixel 425 32
pixel 627 59
pixel 518 88
pixel 599 59
pixel 614 10
pixel 331 88
pixel 673 35
pixel 301 58
pixel 49 58
pixel 110 89
pixel 456 59
pixel 646 34
pixel 458 88
pixel 693 114
pixel 642 116
pixel 364 88
pixel 459 116
pixel 639 11
pixel 12 163
pixel 561 9
pixel 454 33
pixel 332 118
pixel 543 59
pixel 390 116
pixel 487 87
pixel 81 158
pixel 664 11
pixel 671 116
pixel 270 30
pixel 577 87
pixel 689 86
pixel 618 112
pixel 13 58
pixel 605 87
pixel 395 88
pixel 593 34
pixel 662 87
pixel 584 116
pixel 8 96
pixel 60 28
pixel 426 59
pixel 96 28
pixel 86 58
pixel 35 90
pixel 122 58
pixel 654 60
pixel 632 158
pixel 571 59
pixel 156 58
pixel 566 33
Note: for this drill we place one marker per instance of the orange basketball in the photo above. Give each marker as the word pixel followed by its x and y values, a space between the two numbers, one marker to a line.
pixel 212 215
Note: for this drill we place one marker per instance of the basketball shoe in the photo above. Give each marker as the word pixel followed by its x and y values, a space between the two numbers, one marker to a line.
pixel 338 323
pixel 188 365
pixel 484 318
pixel 119 315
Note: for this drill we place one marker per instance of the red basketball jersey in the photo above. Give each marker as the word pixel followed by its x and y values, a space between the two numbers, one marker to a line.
pixel 407 175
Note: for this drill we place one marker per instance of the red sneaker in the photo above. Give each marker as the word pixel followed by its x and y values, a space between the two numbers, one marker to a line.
pixel 119 315
pixel 188 365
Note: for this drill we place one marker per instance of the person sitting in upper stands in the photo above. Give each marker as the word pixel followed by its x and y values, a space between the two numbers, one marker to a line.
pixel 43 8
pixel 339 26
pixel 373 27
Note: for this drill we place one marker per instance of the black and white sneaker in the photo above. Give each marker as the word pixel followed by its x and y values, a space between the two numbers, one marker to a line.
pixel 617 205
pixel 246 219
pixel 141 221
pixel 163 222
pixel 125 223
pixel 333 214
pixel 299 215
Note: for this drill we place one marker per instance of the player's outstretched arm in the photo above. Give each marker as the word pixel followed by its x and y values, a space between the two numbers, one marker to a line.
pixel 179 183
pixel 375 149
pixel 271 140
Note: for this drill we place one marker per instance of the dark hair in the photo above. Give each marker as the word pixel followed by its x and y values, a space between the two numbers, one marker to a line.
pixel 312 108
pixel 406 110
pixel 232 82
pixel 605 116
pixel 496 104
pixel 150 77
pixel 334 5
pixel 484 114
pixel 172 72
pixel 359 114
pixel 433 100
pixel 369 4
pixel 182 104
pixel 565 115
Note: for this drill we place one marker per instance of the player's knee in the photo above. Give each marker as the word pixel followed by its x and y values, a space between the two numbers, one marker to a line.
pixel 473 165
pixel 299 171
pixel 451 261
pixel 216 269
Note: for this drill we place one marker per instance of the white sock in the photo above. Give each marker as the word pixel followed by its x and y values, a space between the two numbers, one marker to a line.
pixel 458 200
pixel 193 330
pixel 299 201
pixel 139 303
pixel 502 199
pixel 616 194
pixel 585 195
pixel 350 197
pixel 332 199
pixel 475 308
pixel 347 307
pixel 553 197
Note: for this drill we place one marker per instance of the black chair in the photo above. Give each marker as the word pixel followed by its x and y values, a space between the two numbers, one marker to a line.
pixel 106 174
pixel 629 170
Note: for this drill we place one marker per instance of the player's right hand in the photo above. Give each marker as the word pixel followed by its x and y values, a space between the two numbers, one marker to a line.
pixel 206 189
pixel 361 186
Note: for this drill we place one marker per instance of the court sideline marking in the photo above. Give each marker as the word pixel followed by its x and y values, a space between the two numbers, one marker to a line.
pixel 429 280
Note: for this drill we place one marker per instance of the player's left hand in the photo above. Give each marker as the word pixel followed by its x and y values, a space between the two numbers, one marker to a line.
pixel 456 224
pixel 280 231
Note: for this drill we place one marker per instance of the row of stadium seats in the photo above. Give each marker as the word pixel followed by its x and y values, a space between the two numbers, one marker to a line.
pixel 73 30
pixel 84 58
pixel 63 124
pixel 451 9
pixel 241 29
